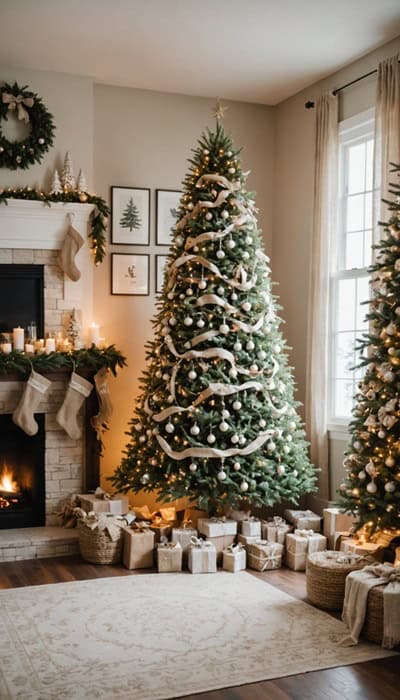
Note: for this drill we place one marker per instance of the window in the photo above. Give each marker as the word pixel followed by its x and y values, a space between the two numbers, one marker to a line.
pixel 352 256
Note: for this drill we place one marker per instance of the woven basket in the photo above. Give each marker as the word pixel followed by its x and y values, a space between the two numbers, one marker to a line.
pixel 373 625
pixel 326 578
pixel 97 547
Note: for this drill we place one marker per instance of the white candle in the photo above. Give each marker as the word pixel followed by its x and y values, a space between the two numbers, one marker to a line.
pixel 94 334
pixel 50 345
pixel 29 348
pixel 18 338
pixel 6 348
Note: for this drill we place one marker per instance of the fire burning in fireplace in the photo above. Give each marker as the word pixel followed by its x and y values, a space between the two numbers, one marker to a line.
pixel 9 489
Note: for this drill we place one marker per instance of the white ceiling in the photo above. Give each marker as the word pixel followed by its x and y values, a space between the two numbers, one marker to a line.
pixel 251 50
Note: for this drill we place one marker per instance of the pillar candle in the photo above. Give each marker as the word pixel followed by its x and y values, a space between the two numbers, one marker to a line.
pixel 18 338
pixel 29 348
pixel 94 334
pixel 6 348
pixel 50 345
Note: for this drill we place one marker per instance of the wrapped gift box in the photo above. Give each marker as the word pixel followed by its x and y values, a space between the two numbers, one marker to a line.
pixel 299 544
pixel 353 546
pixel 221 543
pixel 169 557
pixel 183 535
pixel 193 514
pixel 202 557
pixel 216 527
pixel 275 530
pixel 303 519
pixel 138 548
pixel 336 521
pixel 245 540
pixel 338 538
pixel 234 558
pixel 117 505
pixel 264 556
pixel 251 527
pixel 161 529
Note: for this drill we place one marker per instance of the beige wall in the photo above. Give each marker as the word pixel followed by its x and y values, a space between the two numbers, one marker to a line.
pixel 70 100
pixel 293 196
pixel 143 139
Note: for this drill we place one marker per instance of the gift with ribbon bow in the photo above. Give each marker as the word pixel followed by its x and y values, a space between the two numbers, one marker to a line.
pixel 100 536
pixel 275 529
pixel 264 556
pixel 138 546
pixel 117 505
pixel 169 556
pixel 216 527
pixel 160 527
pixel 234 558
pixel 303 519
pixel 299 544
pixel 336 521
pixel 202 556
pixel 251 526
pixel 183 535
pixel 18 102
pixel 352 545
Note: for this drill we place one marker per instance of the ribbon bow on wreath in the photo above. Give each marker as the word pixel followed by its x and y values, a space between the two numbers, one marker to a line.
pixel 17 102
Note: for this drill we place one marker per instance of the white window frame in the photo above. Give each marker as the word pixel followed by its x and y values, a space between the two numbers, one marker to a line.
pixel 355 129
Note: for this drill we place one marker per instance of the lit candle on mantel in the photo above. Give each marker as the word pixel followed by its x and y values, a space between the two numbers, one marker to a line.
pixel 19 339
pixel 6 348
pixel 29 348
pixel 50 345
pixel 94 334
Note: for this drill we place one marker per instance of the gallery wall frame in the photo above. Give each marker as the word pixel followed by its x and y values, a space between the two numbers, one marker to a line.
pixel 130 274
pixel 130 215
pixel 166 202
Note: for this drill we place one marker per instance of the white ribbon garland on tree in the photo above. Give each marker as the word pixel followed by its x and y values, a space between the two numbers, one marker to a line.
pixel 210 452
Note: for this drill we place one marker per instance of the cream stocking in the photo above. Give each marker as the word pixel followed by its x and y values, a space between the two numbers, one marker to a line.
pixel 73 242
pixel 100 421
pixel 35 389
pixel 67 416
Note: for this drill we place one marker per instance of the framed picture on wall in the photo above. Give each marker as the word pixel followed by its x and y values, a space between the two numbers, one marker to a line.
pixel 161 261
pixel 130 274
pixel 167 203
pixel 130 215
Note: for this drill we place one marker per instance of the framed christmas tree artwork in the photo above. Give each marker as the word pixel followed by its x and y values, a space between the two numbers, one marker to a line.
pixel 167 205
pixel 130 274
pixel 130 216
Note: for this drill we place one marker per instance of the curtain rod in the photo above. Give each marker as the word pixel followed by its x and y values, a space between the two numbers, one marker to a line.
pixel 310 104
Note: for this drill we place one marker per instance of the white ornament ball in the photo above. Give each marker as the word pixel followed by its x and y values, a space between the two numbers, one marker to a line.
pixel 224 214
pixel 170 399
pixel 220 254
pixel 142 438
pixel 211 438
pixel 242 440
pixel 245 255
pixel 388 377
pixel 292 425
pixel 190 205
pixel 235 439
pixel 231 171
pixel 249 240
pixel 244 486
pixel 362 475
pixel 221 476
pixel 192 374
pixel 230 244
pixel 181 296
pixel 246 306
pixel 233 373
pixel 138 427
pixel 234 296
pixel 202 284
pixel 195 249
pixel 206 151
pixel 397 310
pixel 370 468
pixel 145 478
pixel 229 154
pixel 170 295
pixel 253 369
pixel 208 216
pixel 187 345
pixel 390 462
pixel 200 323
pixel 281 469
pixel 286 449
pixel 194 430
pixel 224 328
pixel 372 487
pixel 172 321
pixel 271 446
pixel 277 349
pixel 390 486
pixel 261 354
pixel 237 405
pixel 189 292
pixel 262 423
pixel 220 291
pixel 179 239
pixel 381 434
pixel 193 467
pixel 295 472
pixel 169 428
pixel 237 346
pixel 289 438
pixel 225 413
pixel 250 345
pixel 223 426
pixel 236 466
pixel 188 321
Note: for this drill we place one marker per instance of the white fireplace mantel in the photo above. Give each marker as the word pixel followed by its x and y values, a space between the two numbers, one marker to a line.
pixel 34 226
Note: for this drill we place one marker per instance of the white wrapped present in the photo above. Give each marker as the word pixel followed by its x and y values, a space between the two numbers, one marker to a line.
pixel 336 521
pixel 245 540
pixel 299 545
pixel 202 556
pixel 251 527
pixel 216 527
pixel 303 519
pixel 183 535
pixel 264 556
pixel 234 558
pixel 275 530
pixel 117 505
pixel 354 546
pixel 169 556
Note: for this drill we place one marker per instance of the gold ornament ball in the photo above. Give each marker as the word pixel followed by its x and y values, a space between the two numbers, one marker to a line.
pixel 83 197
pixel 395 361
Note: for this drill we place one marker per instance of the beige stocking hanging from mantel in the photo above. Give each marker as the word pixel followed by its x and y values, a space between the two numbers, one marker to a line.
pixel 35 389
pixel 73 242
pixel 100 421
pixel 67 417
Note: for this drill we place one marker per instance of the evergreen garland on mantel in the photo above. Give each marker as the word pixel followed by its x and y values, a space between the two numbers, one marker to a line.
pixel 92 359
pixel 97 217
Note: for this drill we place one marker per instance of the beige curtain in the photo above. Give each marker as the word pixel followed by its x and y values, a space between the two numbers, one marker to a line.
pixel 324 223
pixel 387 134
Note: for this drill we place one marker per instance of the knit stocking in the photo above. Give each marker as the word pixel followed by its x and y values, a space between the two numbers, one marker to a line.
pixel 67 416
pixel 100 421
pixel 73 242
pixel 35 389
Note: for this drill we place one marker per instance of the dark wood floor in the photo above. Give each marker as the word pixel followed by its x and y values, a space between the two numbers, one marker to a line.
pixel 375 680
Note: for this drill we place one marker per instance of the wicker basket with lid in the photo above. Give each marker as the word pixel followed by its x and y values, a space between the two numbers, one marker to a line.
pixel 326 577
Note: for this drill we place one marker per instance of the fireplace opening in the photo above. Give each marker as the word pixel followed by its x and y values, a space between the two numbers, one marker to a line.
pixel 22 298
pixel 22 475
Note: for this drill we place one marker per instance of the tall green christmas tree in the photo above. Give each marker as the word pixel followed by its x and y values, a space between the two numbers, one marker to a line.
pixel 216 420
pixel 372 487
pixel 130 218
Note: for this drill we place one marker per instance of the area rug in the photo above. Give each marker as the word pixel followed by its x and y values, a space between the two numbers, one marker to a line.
pixel 153 637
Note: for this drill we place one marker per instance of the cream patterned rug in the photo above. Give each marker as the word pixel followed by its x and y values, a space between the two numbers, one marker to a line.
pixel 152 637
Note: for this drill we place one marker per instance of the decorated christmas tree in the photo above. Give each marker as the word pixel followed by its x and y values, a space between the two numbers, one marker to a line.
pixel 130 218
pixel 372 486
pixel 216 420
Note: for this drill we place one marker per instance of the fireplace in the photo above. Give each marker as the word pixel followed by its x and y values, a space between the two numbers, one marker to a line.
pixel 22 297
pixel 22 475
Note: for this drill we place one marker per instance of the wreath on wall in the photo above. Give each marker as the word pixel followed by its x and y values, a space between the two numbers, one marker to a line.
pixel 29 108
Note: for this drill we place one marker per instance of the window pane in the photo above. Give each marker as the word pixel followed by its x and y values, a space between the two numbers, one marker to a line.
pixel 363 293
pixel 356 173
pixel 355 213
pixel 369 165
pixel 343 397
pixel 354 250
pixel 346 305
pixel 367 247
pixel 368 210
pixel 345 357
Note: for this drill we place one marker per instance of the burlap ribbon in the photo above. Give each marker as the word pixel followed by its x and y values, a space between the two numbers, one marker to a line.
pixel 102 521
pixel 234 548
pixel 140 526
pixel 17 102
pixel 164 544
pixel 101 494
pixel 200 543
pixel 272 556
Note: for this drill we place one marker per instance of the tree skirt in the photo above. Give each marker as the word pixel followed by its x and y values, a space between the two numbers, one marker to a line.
pixel 152 637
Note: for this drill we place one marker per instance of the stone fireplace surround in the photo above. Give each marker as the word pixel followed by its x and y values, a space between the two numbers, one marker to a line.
pixel 32 234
